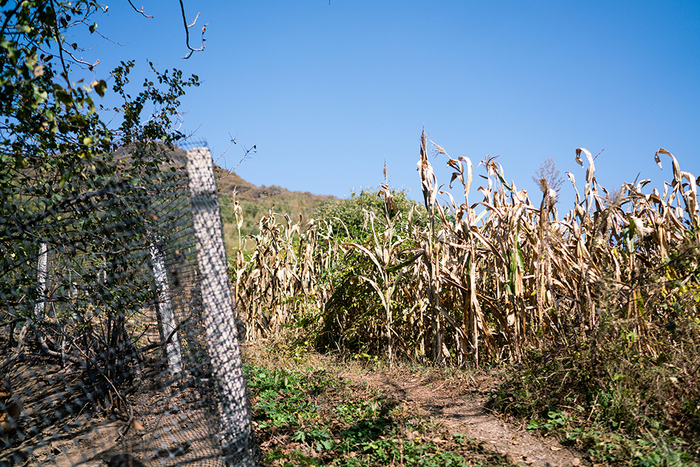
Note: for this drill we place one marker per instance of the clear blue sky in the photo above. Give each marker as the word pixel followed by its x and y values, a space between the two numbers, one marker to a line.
pixel 327 91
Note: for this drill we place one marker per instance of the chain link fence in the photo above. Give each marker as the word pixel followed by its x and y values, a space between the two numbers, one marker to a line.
pixel 118 344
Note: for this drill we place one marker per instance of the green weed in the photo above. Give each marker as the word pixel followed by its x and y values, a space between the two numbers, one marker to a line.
pixel 605 398
pixel 309 418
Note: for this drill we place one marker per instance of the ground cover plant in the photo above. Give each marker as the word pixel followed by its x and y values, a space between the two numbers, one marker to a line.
pixel 595 313
pixel 307 416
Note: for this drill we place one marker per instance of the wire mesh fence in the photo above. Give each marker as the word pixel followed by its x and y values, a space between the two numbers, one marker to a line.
pixel 118 342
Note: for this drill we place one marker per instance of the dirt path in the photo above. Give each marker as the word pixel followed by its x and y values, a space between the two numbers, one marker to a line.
pixel 59 425
pixel 462 410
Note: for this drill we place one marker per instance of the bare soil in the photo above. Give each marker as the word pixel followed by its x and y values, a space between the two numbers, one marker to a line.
pixel 458 402
pixel 454 398
pixel 58 428
pixel 65 421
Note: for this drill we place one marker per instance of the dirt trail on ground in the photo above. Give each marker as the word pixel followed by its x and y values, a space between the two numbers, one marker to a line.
pixel 462 411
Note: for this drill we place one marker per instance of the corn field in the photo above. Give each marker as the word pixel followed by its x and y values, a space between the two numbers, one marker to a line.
pixel 460 281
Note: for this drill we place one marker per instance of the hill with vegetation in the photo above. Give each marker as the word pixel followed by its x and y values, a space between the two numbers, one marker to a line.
pixel 256 201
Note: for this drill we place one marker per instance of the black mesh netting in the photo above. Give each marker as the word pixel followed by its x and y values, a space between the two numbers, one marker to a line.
pixel 118 342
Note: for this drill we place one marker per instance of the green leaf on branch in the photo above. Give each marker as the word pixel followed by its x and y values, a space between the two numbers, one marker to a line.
pixel 100 87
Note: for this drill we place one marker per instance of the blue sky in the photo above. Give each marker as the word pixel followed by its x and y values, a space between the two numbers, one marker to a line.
pixel 328 91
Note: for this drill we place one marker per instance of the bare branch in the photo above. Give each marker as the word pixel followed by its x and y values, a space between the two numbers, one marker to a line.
pixel 193 22
pixel 139 11
pixel 246 156
pixel 79 61
pixel 187 32
pixel 231 143
pixel 107 38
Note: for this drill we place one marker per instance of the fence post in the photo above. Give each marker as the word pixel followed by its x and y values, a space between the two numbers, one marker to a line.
pixel 41 276
pixel 219 319
pixel 166 320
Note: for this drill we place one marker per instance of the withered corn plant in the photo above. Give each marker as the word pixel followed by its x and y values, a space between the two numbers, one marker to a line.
pixel 387 255
pixel 281 283
pixel 479 280
pixel 287 279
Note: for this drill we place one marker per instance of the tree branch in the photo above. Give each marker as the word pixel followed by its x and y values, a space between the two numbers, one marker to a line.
pixel 139 11
pixel 187 32
pixel 246 155
pixel 79 61
pixel 57 35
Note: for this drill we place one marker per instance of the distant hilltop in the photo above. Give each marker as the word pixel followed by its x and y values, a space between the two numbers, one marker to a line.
pixel 228 181
pixel 256 201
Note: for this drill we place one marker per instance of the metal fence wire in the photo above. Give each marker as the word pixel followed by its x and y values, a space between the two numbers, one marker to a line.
pixel 118 344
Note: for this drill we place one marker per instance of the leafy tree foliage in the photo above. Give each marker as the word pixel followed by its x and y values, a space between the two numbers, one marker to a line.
pixel 66 174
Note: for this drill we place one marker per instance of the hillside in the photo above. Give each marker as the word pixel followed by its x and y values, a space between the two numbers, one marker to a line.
pixel 259 200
